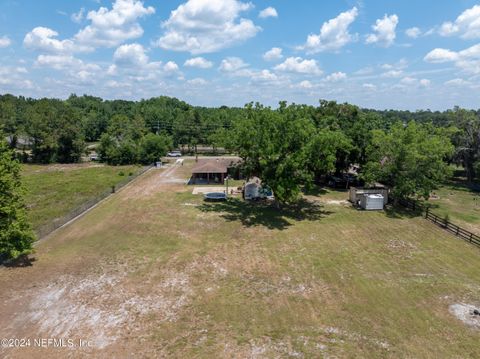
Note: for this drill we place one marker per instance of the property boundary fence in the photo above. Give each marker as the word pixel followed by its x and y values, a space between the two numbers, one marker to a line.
pixel 441 222
pixel 46 229
pixel 453 228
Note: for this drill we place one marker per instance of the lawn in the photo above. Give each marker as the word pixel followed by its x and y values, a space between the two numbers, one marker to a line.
pixel 460 202
pixel 54 190
pixel 157 272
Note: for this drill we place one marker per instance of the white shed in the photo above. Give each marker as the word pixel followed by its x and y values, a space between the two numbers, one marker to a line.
pixel 371 202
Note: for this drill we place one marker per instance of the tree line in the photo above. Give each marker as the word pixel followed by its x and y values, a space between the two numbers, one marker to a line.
pixel 52 130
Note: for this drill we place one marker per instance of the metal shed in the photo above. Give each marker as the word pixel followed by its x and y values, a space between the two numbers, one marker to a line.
pixel 356 194
pixel 371 202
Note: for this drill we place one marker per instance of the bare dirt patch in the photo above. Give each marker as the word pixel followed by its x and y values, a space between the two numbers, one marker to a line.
pixel 105 308
pixel 465 313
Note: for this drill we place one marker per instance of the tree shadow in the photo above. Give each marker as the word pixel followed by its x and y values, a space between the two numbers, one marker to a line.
pixel 397 212
pixel 253 214
pixel 316 191
pixel 20 262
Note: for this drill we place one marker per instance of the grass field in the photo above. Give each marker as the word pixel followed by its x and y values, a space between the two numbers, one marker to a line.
pixel 54 190
pixel 460 202
pixel 156 272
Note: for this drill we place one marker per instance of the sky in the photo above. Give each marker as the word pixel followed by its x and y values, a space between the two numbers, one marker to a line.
pixel 387 54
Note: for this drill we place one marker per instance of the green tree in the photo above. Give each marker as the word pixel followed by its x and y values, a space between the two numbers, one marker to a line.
pixel 328 150
pixel 272 148
pixel 409 158
pixel 153 147
pixel 120 145
pixel 467 142
pixel 8 121
pixel 16 235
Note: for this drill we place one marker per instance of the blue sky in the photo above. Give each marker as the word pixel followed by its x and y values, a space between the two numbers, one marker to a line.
pixel 378 54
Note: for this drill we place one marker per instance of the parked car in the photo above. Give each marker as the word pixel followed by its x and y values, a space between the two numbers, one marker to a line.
pixel 94 158
pixel 174 154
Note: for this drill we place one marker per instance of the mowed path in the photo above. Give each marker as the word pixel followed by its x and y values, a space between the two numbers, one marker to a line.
pixel 154 272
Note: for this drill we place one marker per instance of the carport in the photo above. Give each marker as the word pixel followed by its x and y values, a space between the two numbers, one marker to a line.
pixel 209 172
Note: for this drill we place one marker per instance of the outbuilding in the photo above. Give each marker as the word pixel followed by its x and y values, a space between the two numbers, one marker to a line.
pixel 371 202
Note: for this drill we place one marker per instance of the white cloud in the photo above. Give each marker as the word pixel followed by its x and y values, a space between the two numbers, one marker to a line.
pixel 425 82
pixel 110 28
pixel 198 62
pixel 467 25
pixel 197 82
pixel 385 31
pixel 5 41
pixel 369 86
pixel 414 82
pixel 44 39
pixel 334 34
pixel 365 71
pixel 457 82
pixel 393 74
pixel 299 65
pixel 232 64
pixel 274 54
pixel 78 17
pixel 336 76
pixel 11 78
pixel 399 65
pixel 204 26
pixel 305 84
pixel 62 62
pixel 413 32
pixel 263 75
pixel 468 60
pixel 131 55
pixel 441 55
pixel 170 66
pixel 132 64
pixel 268 12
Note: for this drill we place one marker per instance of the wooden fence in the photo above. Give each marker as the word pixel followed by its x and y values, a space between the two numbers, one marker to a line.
pixel 442 222
pixel 453 228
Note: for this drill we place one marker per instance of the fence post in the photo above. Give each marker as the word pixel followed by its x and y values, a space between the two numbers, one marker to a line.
pixel 471 237
pixel 426 213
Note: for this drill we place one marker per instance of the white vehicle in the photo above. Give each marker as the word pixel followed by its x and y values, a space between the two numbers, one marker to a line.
pixel 174 154
pixel 255 191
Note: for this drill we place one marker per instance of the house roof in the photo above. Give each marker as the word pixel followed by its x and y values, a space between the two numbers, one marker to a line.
pixel 219 165
pixel 210 167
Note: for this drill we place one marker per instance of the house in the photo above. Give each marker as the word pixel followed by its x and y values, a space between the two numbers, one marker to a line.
pixel 214 171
